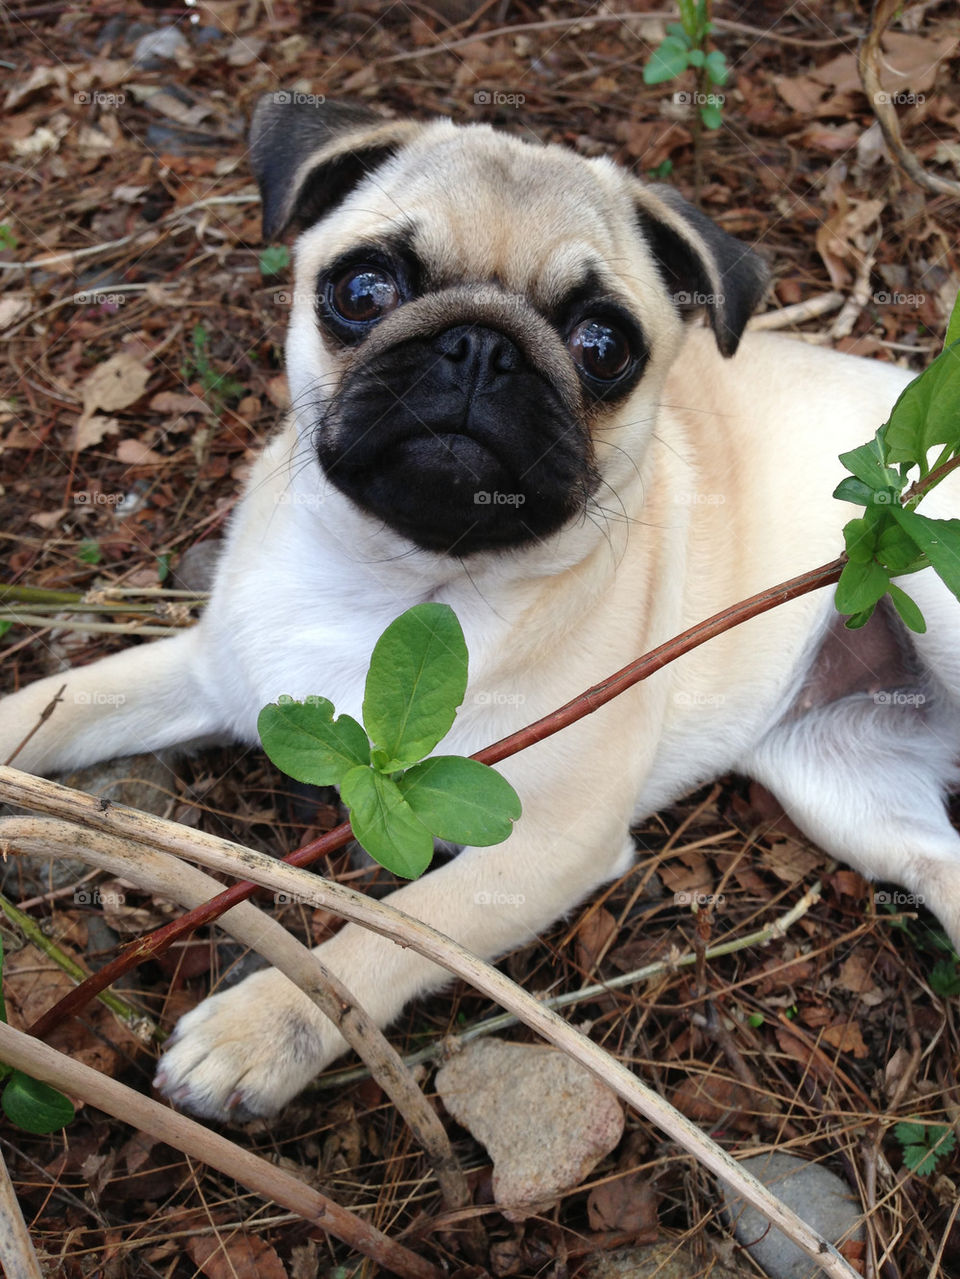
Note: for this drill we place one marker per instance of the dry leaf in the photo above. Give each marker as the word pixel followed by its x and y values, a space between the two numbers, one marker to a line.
pixel 235 1257
pixel 114 385
pixel 627 1205
pixel 135 453
pixel 594 936
pixel 856 974
pixel 176 402
pixel 847 1038
pixel 91 430
pixel 12 308
pixel 709 1099
pixel 48 519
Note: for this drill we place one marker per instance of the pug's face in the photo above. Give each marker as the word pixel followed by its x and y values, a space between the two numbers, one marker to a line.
pixel 481 327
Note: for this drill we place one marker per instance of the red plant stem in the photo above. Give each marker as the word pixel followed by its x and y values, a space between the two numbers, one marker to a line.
pixel 157 942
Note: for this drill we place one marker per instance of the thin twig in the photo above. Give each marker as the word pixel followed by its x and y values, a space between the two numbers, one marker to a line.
pixel 868 62
pixel 42 718
pixel 40 1061
pixel 379 917
pixel 17 1253
pixel 166 876
pixel 797 313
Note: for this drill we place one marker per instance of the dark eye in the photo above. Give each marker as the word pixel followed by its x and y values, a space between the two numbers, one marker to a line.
pixel 364 294
pixel 600 350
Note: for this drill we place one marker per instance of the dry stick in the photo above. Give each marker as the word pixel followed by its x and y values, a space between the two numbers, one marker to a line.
pixel 43 717
pixel 868 62
pixel 157 942
pixel 166 876
pixel 797 312
pixel 220 854
pixel 17 1255
pixel 40 1061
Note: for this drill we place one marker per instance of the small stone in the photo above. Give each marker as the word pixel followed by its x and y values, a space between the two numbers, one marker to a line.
pixel 545 1120
pixel 158 46
pixel 814 1193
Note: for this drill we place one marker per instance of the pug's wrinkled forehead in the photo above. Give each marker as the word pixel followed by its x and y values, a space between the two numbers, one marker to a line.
pixel 469 205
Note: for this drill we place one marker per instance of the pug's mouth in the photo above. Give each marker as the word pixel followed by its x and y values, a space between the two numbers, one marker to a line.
pixel 457 455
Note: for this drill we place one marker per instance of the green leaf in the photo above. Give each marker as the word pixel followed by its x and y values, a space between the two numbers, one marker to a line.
pixel 860 540
pixel 416 681
pixel 461 800
pixel 861 586
pixel 667 61
pixel 853 490
pixel 856 620
pixel 907 608
pixel 274 259
pixel 676 29
pixel 717 69
pixel 711 116
pixel 897 551
pixel 35 1106
pixel 89 553
pixel 953 328
pixel 945 978
pixel 696 57
pixel 924 1145
pixel 926 412
pixel 307 743
pixel 939 540
pixel 385 824
pixel 866 463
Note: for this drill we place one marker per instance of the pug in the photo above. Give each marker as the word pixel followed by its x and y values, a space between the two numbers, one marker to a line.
pixel 500 403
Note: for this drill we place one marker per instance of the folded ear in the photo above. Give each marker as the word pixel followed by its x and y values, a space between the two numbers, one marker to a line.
pixel 701 265
pixel 307 158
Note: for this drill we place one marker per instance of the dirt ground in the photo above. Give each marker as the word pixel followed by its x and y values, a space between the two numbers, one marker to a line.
pixel 129 229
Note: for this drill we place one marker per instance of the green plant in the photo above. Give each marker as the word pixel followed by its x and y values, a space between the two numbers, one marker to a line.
pixel 398 800
pixel 88 552
pixel 924 1145
pixel 27 1102
pixel 685 46
pixel 889 475
pixel 274 259
pixel 945 978
pixel 8 240
pixel 217 387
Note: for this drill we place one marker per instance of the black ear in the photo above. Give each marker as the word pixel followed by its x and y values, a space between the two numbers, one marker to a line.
pixel 701 265
pixel 308 156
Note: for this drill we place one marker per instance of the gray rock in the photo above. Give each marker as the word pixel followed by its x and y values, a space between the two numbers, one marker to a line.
pixel 158 46
pixel 545 1120
pixel 668 1260
pixel 813 1192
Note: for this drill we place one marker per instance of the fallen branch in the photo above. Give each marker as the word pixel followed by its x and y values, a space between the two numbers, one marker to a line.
pixel 17 1255
pixel 234 859
pixel 42 1062
pixel 166 876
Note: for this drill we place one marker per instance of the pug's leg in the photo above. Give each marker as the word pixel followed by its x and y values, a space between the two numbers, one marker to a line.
pixel 866 778
pixel 252 1048
pixel 141 699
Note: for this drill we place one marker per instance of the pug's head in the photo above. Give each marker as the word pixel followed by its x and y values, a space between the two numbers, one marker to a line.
pixel 481 327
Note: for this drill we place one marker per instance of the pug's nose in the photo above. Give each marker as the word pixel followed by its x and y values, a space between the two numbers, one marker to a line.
pixel 479 350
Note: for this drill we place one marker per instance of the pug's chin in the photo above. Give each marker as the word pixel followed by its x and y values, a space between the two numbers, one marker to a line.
pixel 449 493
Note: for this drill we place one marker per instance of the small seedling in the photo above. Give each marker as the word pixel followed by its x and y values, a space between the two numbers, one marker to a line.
pixel 8 240
pixel 89 552
pixel 924 1145
pixel 28 1103
pixel 888 477
pixel 685 46
pixel 399 800
pixel 945 978
pixel 217 387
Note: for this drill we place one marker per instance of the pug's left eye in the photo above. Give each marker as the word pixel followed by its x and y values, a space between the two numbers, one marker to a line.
pixel 364 294
pixel 600 350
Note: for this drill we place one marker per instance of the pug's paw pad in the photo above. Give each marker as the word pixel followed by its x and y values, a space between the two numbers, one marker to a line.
pixel 245 1052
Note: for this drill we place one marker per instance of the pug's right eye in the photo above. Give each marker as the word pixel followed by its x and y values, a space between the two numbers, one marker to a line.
pixel 363 294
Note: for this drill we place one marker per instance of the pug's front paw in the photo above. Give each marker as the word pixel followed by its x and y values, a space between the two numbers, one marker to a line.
pixel 247 1051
